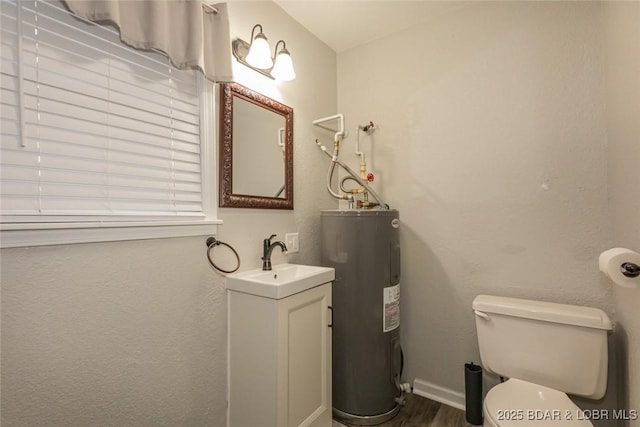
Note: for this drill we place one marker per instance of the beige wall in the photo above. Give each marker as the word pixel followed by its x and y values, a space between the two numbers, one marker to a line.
pixel 622 58
pixel 123 333
pixel 491 142
pixel 134 333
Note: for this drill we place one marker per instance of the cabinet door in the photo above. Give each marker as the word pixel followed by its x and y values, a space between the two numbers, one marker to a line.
pixel 304 377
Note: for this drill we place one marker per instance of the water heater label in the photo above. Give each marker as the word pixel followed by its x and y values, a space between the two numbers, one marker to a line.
pixel 391 302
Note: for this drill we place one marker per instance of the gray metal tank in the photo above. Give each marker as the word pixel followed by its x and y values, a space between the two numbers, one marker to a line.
pixel 364 248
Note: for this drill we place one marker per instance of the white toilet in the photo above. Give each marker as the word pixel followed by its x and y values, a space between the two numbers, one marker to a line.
pixel 546 350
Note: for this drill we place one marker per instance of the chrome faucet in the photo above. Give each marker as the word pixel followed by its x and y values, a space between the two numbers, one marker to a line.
pixel 267 248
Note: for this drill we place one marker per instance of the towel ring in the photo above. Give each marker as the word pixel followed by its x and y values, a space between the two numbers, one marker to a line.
pixel 212 243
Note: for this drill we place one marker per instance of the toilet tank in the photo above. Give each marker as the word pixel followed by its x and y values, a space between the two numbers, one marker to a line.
pixel 560 346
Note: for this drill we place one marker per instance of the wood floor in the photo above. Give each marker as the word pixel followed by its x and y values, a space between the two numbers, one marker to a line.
pixel 421 412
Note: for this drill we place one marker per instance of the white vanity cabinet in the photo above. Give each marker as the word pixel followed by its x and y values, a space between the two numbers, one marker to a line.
pixel 280 359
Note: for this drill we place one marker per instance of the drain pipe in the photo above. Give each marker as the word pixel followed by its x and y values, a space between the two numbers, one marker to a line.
pixel 406 388
pixel 340 133
pixel 402 387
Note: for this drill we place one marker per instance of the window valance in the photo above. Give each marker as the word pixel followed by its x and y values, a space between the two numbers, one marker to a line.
pixel 190 35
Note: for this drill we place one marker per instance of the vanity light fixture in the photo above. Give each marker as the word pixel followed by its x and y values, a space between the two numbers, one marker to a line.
pixel 257 56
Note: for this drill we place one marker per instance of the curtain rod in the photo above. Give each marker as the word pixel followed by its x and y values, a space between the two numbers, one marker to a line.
pixel 208 7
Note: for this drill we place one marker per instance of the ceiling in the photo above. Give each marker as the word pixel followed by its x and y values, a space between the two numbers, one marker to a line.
pixel 343 25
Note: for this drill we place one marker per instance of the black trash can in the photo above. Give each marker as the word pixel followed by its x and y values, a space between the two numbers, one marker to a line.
pixel 473 393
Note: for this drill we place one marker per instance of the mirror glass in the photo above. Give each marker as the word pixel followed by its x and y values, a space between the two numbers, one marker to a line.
pixel 256 142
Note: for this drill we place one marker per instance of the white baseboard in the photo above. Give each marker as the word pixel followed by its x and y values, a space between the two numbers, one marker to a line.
pixel 439 394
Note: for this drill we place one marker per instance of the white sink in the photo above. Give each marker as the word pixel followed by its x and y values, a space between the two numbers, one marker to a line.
pixel 282 281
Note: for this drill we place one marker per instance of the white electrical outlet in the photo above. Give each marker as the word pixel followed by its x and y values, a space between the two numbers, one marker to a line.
pixel 292 242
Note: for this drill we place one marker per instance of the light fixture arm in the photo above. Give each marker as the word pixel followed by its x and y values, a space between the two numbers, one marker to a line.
pixel 253 32
pixel 284 47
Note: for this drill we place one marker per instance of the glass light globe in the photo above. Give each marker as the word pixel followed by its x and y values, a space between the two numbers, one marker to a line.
pixel 259 55
pixel 283 68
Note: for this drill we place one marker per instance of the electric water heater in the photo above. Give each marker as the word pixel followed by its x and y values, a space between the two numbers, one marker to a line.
pixel 364 248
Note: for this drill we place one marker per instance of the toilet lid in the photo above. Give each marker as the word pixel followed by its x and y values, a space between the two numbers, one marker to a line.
pixel 519 403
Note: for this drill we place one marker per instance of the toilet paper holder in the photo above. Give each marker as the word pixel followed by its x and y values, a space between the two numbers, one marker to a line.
pixel 622 266
pixel 630 269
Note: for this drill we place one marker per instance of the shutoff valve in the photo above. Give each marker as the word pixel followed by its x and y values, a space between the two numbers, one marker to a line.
pixel 370 177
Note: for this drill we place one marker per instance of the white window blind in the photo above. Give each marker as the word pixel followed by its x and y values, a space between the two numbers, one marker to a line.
pixel 93 130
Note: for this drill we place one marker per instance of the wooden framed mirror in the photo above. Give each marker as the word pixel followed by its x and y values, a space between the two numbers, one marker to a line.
pixel 256 150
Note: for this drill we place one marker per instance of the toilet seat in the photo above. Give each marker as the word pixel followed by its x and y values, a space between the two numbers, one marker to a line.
pixel 517 403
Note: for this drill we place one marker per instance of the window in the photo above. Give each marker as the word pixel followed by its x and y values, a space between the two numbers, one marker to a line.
pixel 97 135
